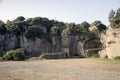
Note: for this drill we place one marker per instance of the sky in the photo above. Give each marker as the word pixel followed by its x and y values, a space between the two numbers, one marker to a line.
pixel 75 11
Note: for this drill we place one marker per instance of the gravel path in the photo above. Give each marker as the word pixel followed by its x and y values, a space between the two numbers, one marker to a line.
pixel 64 69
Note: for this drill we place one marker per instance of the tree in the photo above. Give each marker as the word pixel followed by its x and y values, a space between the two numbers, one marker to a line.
pixel 8 25
pixel 85 26
pixel 28 21
pixel 33 32
pixel 99 25
pixel 111 15
pixel 18 28
pixel 114 18
pixel 118 13
pixel 95 23
pixel 20 18
pixel 72 28
pixel 55 30
pixel 36 21
pixel 2 27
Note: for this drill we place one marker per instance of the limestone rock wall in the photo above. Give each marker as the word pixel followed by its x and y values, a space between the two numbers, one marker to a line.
pixel 111 43
pixel 8 42
pixel 56 43
pixel 81 49
pixel 74 45
pixel 1 43
pixel 33 47
pixel 73 40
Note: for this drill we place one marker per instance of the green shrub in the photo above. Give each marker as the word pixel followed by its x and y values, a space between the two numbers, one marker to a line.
pixel 33 31
pixel 117 58
pixel 1 58
pixel 106 57
pixel 16 55
pixel 8 55
pixel 2 27
pixel 1 55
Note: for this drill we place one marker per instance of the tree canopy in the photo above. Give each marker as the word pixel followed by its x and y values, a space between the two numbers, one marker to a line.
pixel 33 32
pixel 20 18
pixel 114 18
pixel 21 26
pixel 2 27
pixel 99 25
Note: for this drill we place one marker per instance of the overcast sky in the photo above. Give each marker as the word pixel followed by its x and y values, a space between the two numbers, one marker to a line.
pixel 62 10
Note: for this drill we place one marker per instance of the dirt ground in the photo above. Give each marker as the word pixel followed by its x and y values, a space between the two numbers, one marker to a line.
pixel 64 69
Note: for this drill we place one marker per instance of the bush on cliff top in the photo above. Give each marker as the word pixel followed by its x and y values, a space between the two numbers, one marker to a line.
pixel 33 32
pixel 16 55
pixel 2 27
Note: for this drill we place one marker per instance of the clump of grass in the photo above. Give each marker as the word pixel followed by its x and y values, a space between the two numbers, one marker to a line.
pixel 96 55
pixel 42 56
pixel 117 58
pixel 1 58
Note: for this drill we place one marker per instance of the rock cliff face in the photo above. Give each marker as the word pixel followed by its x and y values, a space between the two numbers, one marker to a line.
pixel 56 43
pixel 36 46
pixel 8 42
pixel 74 45
pixel 33 47
pixel 92 47
pixel 111 43
pixel 73 42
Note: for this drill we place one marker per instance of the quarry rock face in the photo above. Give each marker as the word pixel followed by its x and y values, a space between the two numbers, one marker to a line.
pixel 81 49
pixel 33 47
pixel 73 45
pixel 73 42
pixel 1 43
pixel 92 47
pixel 38 46
pixel 8 42
pixel 56 43
pixel 111 43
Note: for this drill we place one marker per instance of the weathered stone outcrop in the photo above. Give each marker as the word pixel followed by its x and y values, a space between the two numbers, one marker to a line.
pixel 73 41
pixel 70 45
pixel 8 42
pixel 76 45
pixel 56 43
pixel 73 44
pixel 33 47
pixel 111 43
pixel 92 47
pixel 36 46
pixel 81 49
